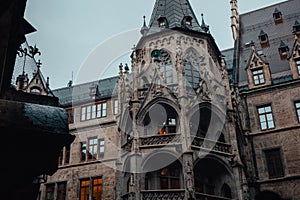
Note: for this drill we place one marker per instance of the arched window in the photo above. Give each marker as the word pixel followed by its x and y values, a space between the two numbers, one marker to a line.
pixel 192 75
pixel 35 91
pixel 191 66
pixel 166 67
pixel 226 191
pixel 162 22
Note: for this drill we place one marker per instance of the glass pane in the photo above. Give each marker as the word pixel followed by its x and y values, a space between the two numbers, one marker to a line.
pixel 83 112
pixel 271 124
pixel 268 109
pixel 262 118
pixel 269 117
pixel 88 112
pixel 99 110
pixel 263 125
pixel 94 111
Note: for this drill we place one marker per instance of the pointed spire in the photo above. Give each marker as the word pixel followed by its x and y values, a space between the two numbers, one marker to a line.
pixel 174 12
pixel 144 28
pixel 234 19
pixel 203 25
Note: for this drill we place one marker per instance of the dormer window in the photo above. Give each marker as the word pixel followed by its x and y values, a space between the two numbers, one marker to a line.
pixel 264 39
pixel 187 21
pixel 258 76
pixel 258 71
pixel 283 50
pixel 277 16
pixel 296 28
pixel 162 22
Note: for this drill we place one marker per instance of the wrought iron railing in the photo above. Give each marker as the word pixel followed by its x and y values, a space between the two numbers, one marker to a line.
pixel 164 139
pixel 128 196
pixel 202 196
pixel 211 145
pixel 171 194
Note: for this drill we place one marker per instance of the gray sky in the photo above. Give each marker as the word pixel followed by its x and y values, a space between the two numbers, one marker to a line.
pixel 92 37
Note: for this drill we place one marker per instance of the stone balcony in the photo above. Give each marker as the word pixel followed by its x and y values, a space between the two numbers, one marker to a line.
pixel 160 140
pixel 178 194
pixel 211 145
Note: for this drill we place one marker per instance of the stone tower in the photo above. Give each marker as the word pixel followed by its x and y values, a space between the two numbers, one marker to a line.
pixel 179 127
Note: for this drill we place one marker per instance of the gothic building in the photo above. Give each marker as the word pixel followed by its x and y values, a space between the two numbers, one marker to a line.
pixel 186 120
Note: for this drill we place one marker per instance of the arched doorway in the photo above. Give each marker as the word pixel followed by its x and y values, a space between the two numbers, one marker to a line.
pixel 212 178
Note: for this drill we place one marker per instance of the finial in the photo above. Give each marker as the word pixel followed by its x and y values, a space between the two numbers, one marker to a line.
pixel 38 64
pixel 126 67
pixel 203 25
pixel 144 20
pixel 145 28
pixel 47 83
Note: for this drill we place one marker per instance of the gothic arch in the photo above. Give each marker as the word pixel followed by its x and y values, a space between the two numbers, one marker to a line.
pixel 206 118
pixel 159 118
pixel 142 112
pixel 211 174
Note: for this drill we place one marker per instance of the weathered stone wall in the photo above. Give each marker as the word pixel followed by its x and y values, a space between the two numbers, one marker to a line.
pixel 285 136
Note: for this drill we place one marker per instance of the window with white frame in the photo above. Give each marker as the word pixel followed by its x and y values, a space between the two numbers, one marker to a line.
pixel 258 77
pixel 101 147
pixel 116 107
pixel 266 117
pixel 92 146
pixel 94 111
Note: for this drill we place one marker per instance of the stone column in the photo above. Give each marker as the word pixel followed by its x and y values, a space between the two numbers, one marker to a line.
pixel 188 174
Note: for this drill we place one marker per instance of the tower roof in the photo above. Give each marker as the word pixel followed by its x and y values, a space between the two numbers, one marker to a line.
pixel 174 11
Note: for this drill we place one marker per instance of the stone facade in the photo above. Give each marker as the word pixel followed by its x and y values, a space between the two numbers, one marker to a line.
pixel 182 123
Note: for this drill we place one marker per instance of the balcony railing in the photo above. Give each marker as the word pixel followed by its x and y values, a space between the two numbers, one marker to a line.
pixel 177 194
pixel 158 140
pixel 202 196
pixel 211 145
pixel 128 196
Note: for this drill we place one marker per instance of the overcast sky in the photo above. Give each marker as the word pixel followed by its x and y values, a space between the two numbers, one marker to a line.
pixel 91 37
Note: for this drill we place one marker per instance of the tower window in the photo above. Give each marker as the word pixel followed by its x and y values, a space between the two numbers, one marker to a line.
pixel 162 22
pixel 187 21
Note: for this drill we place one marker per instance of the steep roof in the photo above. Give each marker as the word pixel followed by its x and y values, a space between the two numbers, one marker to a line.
pixel 81 93
pixel 174 11
pixel 251 25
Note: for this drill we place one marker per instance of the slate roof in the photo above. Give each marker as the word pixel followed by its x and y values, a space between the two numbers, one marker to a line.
pixel 174 11
pixel 228 53
pixel 251 25
pixel 81 93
